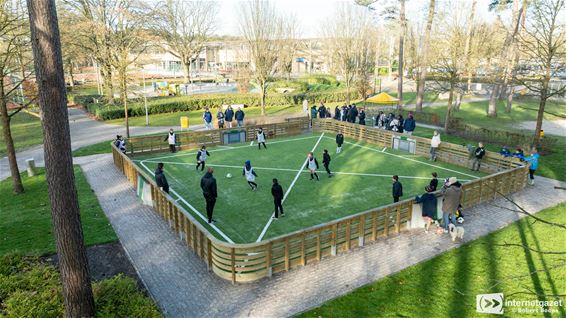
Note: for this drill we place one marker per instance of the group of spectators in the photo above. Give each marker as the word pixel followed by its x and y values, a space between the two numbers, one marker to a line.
pixel 396 123
pixel 224 118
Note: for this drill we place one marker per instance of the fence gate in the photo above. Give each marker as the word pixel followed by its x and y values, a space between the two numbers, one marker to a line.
pixel 404 144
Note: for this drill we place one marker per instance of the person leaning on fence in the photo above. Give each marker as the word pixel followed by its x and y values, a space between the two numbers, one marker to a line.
pixel 362 117
pixel 240 117
pixel 397 189
pixel 314 111
pixel 120 143
pixel 337 113
pixel 322 111
pixel 434 144
pixel 401 123
pixel 277 193
pixel 220 117
pixel 452 192
pixel 533 160
pixel 409 124
pixel 209 191
pixel 429 202
pixel 171 138
pixel 478 156
pixel 160 178
pixel 229 116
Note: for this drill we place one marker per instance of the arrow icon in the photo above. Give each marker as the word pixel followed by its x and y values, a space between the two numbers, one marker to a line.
pixel 487 303
pixel 495 303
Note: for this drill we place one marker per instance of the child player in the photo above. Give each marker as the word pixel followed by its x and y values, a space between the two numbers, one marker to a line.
pixel 250 174
pixel 201 157
pixel 260 139
pixel 339 142
pixel 326 162
pixel 312 165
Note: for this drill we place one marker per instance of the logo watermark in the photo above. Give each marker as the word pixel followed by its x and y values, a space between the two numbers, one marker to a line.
pixel 496 304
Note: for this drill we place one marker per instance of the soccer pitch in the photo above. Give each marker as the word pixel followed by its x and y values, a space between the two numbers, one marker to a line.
pixel 361 181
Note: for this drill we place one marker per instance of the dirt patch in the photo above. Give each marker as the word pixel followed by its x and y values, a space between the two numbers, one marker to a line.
pixel 105 261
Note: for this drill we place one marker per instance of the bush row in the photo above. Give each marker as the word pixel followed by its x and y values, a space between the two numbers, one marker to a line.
pixel 160 105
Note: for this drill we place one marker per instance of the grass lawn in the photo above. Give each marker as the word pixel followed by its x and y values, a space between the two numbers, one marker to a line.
pixel 26 132
pixel 446 286
pixel 95 149
pixel 524 109
pixel 26 218
pixel 362 181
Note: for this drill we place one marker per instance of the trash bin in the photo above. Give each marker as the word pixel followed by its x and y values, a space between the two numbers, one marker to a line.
pixel 184 122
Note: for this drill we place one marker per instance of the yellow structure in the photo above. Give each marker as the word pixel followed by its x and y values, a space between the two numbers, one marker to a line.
pixel 382 98
pixel 184 122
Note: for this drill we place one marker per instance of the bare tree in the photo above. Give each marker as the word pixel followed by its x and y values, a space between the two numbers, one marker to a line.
pixel 77 290
pixel 129 40
pixel 185 27
pixel 14 39
pixel 347 44
pixel 262 29
pixel 543 45
pixel 289 45
pixel 468 45
pixel 422 68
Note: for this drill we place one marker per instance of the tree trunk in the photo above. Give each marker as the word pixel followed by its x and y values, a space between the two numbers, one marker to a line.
pixel 65 214
pixel 422 73
pixel 187 72
pixel 124 93
pixel 263 87
pixel 72 79
pixel 468 45
pixel 17 185
pixel 107 82
pixel 540 117
pixel 492 107
pixel 401 43
pixel 458 101
pixel 516 57
pixel 449 108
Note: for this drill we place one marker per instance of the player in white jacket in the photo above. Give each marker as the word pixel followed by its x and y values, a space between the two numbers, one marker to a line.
pixel 202 154
pixel 434 144
pixel 250 175
pixel 312 165
pixel 261 139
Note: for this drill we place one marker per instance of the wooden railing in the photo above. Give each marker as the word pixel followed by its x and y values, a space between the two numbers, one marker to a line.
pixel 191 139
pixel 250 262
pixel 450 153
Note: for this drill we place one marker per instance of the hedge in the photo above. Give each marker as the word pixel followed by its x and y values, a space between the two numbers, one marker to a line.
pixel 158 105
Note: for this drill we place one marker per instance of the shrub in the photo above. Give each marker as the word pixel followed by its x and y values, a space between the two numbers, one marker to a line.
pixel 313 79
pixel 292 86
pixel 29 288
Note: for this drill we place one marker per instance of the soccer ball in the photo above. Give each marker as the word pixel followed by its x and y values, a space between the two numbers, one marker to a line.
pixel 460 220
pixel 229 175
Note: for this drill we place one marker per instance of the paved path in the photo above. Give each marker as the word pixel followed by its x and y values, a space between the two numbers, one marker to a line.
pixel 182 286
pixel 84 131
pixel 550 127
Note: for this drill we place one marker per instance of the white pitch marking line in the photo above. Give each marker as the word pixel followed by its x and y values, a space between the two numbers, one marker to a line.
pixel 230 148
pixel 424 163
pixel 191 207
pixel 384 148
pixel 304 171
pixel 288 190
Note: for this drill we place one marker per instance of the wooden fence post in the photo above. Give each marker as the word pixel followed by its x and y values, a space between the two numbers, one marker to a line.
pixel 233 264
pixel 268 248
pixel 333 240
pixel 286 254
pixel 361 227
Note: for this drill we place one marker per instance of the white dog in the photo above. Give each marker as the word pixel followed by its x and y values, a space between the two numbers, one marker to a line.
pixel 456 232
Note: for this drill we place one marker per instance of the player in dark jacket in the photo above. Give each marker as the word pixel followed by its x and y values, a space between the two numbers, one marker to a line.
pixel 160 178
pixel 478 156
pixel 362 117
pixel 429 210
pixel 397 188
pixel 434 182
pixel 326 162
pixel 277 192
pixel 229 116
pixel 339 142
pixel 202 154
pixel 208 186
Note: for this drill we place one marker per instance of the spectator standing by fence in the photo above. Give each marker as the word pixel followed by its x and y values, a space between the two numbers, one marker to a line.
pixel 434 182
pixel 337 113
pixel 410 124
pixel 434 144
pixel 533 160
pixel 401 123
pixel 171 139
pixel 229 116
pixel 452 192
pixel 479 153
pixel 362 117
pixel 429 203
pixel 322 111
pixel 160 178
pixel 207 117
pixel 220 117
pixel 314 111
pixel 240 117
pixel 209 191
pixel 397 188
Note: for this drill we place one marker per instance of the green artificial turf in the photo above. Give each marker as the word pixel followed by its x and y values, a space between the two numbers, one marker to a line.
pixel 26 132
pixel 362 182
pixel 447 285
pixel 26 218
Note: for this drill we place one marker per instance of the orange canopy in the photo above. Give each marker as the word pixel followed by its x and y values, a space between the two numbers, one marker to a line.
pixel 382 98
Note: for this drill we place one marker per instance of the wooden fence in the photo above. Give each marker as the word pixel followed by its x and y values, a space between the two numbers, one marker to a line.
pixel 250 262
pixel 191 139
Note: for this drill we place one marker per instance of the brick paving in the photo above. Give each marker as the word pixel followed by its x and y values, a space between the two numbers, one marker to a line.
pixel 181 285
